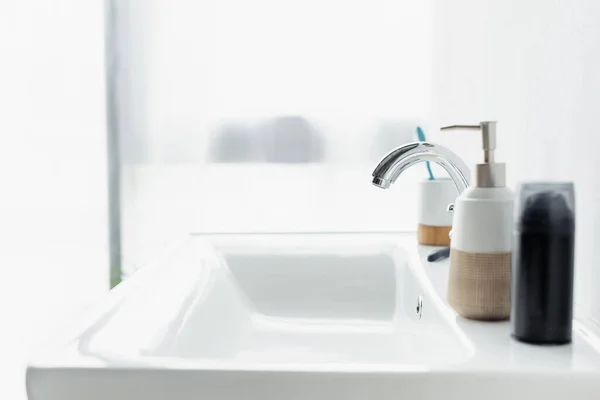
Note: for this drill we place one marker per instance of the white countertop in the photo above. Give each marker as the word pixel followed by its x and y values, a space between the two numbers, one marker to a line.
pixel 490 360
pixel 496 350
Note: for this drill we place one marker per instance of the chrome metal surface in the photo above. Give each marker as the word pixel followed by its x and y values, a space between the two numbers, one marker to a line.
pixel 460 127
pixel 488 131
pixel 488 174
pixel 488 134
pixel 403 157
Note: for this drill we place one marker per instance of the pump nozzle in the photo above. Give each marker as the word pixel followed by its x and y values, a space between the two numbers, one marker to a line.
pixel 490 173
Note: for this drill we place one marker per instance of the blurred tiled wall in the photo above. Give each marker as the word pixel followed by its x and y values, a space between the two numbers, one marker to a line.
pixel 534 66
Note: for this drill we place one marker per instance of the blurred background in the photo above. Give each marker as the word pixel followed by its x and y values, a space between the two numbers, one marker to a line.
pixel 125 124
pixel 261 116
pixel 53 172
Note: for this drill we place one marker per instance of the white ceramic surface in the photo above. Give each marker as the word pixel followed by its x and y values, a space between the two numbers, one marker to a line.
pixel 434 198
pixel 299 316
pixel 483 220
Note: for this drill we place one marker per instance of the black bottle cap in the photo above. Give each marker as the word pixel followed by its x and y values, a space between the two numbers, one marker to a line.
pixel 545 207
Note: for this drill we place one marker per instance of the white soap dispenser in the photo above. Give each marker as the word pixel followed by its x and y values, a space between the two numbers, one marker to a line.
pixel 481 244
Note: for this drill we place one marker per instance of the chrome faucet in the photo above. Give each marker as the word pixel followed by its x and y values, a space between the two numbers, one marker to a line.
pixel 403 157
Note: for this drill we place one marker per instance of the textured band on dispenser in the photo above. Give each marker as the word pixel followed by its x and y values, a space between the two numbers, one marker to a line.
pixel 479 284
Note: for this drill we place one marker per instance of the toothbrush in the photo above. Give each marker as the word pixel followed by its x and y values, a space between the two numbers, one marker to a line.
pixel 439 254
pixel 421 137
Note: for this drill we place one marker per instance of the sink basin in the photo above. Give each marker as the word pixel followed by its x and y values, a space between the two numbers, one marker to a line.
pixel 287 301
pixel 291 316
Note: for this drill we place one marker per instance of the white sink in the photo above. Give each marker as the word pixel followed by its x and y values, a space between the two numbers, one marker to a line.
pixel 298 316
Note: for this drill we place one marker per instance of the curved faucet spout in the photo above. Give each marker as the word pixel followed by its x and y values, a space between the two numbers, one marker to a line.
pixel 403 157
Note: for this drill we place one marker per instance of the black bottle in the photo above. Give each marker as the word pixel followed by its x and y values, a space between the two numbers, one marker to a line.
pixel 543 261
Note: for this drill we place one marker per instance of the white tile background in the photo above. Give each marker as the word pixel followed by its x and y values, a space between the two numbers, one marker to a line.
pixel 535 67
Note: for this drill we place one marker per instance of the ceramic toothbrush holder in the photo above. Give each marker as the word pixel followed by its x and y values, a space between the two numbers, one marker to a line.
pixel 435 222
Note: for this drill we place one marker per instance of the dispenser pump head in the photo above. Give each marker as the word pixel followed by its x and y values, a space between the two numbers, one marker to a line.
pixel 489 174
